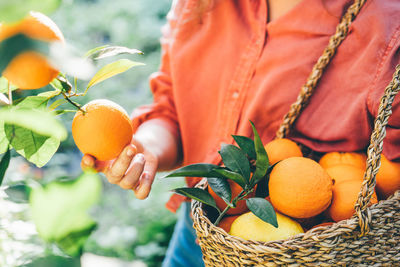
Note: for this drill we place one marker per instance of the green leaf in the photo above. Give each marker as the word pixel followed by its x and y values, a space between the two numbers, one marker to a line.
pixel 247 145
pixel 53 261
pixel 235 159
pixel 59 211
pixel 262 162
pixel 15 10
pixel 57 103
pixel 4 100
pixel 263 210
pixel 33 102
pixel 112 69
pixel 16 44
pixel 194 170
pixel 197 194
pixel 110 51
pixel 50 94
pixel 5 161
pixel 36 148
pixel 221 187
pixel 3 140
pixel 40 122
pixel 234 176
pixel 4 84
pixel 61 84
pixel 18 193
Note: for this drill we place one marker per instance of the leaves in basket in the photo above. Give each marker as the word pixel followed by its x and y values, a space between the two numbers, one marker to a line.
pixel 262 162
pixel 247 145
pixel 236 177
pixel 197 194
pixel 221 187
pixel 235 159
pixel 263 210
pixel 194 170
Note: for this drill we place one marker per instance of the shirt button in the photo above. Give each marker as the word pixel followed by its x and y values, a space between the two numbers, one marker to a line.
pixel 235 95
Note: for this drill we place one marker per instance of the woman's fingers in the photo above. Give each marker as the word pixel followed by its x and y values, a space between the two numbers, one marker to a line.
pixel 87 162
pixel 118 169
pixel 131 179
pixel 146 178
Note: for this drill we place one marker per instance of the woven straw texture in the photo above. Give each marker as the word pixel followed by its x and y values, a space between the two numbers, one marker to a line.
pixel 370 238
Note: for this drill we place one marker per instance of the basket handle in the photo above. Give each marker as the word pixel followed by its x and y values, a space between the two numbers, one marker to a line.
pixel 374 152
pixel 307 89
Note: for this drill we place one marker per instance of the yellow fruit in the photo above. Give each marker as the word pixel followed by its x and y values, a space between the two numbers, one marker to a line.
pixel 103 130
pixel 339 158
pixel 280 149
pixel 30 69
pixel 250 227
pixel 300 188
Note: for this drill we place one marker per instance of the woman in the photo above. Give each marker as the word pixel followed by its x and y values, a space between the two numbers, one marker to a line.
pixel 227 62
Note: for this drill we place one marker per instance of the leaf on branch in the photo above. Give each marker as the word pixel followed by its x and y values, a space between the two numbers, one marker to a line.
pixel 235 159
pixel 36 148
pixel 4 100
pixel 52 260
pixel 110 51
pixel 197 194
pixel 262 162
pixel 4 84
pixel 18 193
pixel 60 211
pixel 33 102
pixel 221 187
pixel 194 170
pixel 40 122
pixel 247 145
pixel 112 69
pixel 5 161
pixel 61 84
pixel 234 176
pixel 263 210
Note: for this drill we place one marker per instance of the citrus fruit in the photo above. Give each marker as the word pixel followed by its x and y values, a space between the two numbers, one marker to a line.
pixel 345 195
pixel 282 148
pixel 339 158
pixel 299 187
pixel 248 226
pixel 102 130
pixel 30 69
pixel 241 206
pixel 345 172
pixel 387 178
pixel 226 222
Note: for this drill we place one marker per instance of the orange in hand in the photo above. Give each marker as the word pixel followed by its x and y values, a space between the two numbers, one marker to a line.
pixel 30 69
pixel 102 130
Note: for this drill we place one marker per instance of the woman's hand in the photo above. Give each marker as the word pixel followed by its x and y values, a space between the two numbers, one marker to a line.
pixel 153 147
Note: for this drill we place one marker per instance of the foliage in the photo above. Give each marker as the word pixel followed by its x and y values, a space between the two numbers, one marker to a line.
pixel 247 165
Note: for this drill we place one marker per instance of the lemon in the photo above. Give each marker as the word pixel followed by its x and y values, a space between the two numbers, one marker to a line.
pixel 248 226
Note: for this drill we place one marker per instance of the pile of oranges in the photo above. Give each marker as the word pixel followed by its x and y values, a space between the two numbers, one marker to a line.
pixel 308 192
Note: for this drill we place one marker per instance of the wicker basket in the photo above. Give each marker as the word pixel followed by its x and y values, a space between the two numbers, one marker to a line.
pixel 370 237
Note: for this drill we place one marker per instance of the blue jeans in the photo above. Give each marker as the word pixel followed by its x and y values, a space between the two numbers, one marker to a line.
pixel 182 249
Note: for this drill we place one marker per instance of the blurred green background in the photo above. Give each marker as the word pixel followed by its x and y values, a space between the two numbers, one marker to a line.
pixel 134 232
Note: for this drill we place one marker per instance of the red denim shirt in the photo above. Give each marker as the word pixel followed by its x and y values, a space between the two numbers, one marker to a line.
pixel 227 66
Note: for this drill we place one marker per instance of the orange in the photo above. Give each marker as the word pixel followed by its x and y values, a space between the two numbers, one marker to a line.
pixel 344 198
pixel 345 172
pixel 30 69
pixel 387 178
pixel 300 188
pixel 226 222
pixel 102 130
pixel 339 158
pixel 241 206
pixel 280 149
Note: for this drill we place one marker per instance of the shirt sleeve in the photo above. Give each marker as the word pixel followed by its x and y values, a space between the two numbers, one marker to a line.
pixel 161 85
pixel 390 59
